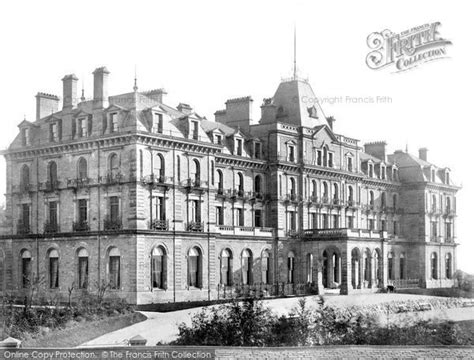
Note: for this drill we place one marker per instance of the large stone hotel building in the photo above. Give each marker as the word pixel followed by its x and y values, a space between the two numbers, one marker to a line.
pixel 160 204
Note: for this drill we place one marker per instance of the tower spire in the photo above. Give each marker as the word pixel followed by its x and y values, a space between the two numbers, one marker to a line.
pixel 294 52
pixel 135 87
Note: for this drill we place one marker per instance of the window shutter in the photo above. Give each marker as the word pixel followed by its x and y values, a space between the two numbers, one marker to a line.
pixel 89 125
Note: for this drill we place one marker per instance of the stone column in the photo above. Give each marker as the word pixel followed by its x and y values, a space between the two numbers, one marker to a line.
pixel 346 276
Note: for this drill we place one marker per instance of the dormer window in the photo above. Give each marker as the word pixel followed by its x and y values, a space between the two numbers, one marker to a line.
pixel 113 122
pixel 195 134
pixel 157 123
pixel 218 139
pixel 238 146
pixel 258 150
pixel 371 170
pixel 82 127
pixel 383 174
pixel 53 132
pixel 446 178
pixel 25 136
pixel 395 175
pixel 433 175
pixel 319 158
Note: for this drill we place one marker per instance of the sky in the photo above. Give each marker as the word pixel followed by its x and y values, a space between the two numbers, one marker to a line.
pixel 204 52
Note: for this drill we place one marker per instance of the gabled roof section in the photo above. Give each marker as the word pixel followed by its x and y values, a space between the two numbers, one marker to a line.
pixel 319 128
pixel 212 125
pixel 26 123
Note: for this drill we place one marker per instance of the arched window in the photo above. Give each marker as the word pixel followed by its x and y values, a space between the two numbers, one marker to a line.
pixel 367 266
pixel 24 177
pixel 265 267
pixel 247 267
pixel 158 268
pixel 220 182
pixel 82 169
pixel 195 267
pixel 390 266
pixel 291 267
pixel 336 193
pixel 350 196
pixel 83 268
pixel 114 167
pixel 240 183
pixel 114 268
pixel 25 268
pixel 371 198
pixel 325 156
pixel 52 173
pixel 258 185
pixel 402 266
pixel 292 187
pixel 160 167
pixel 309 268
pixel 196 172
pixel 314 189
pixel 325 191
pixel 226 267
pixel 383 200
pixel 394 201
pixel 449 266
pixel 434 266
pixel 53 257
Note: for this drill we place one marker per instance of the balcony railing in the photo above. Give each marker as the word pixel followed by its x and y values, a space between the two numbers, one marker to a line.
pixel 112 224
pixel 352 204
pixel 23 228
pixel 195 226
pixel 113 178
pixel 51 227
pixel 49 186
pixel 157 179
pixel 344 233
pixel 239 193
pixel 291 198
pixel 80 226
pixel 160 225
pixel 256 195
pixel 195 183
pixel 78 183
pixel 449 212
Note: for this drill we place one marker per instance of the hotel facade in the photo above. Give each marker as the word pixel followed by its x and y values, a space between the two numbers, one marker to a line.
pixel 159 204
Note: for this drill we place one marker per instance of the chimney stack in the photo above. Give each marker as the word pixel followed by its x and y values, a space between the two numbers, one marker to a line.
pixel 423 154
pixel 69 92
pixel 331 121
pixel 185 108
pixel 46 104
pixel 377 149
pixel 101 96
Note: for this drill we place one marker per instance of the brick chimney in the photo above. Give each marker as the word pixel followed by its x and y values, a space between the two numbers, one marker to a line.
pixel 423 154
pixel 377 149
pixel 69 92
pixel 101 93
pixel 185 108
pixel 331 120
pixel 46 104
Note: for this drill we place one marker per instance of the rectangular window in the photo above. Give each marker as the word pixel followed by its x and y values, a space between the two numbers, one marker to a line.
pixel 114 208
pixel 292 220
pixel 53 213
pixel 349 164
pixel 195 130
pixel 82 124
pixel 114 272
pixel 395 228
pixel 113 122
pixel 330 161
pixel 448 231
pixel 402 268
pixel 219 215
pixel 313 223
pixel 53 132
pixel 434 230
pixel 195 211
pixel 371 224
pixel 325 221
pixel 218 139
pixel 335 221
pixel 350 222
pixel 291 153
pixel 157 123
pixel 239 147
pixel 82 207
pixel 258 150
pixel 25 136
pixel 239 217
pixel 384 225
pixel 25 215
pixel 319 161
pixel 258 218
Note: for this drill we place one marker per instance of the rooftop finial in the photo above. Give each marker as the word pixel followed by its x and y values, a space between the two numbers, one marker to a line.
pixel 83 98
pixel 135 87
pixel 294 52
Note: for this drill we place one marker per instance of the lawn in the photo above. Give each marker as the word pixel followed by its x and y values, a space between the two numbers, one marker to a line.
pixel 78 333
